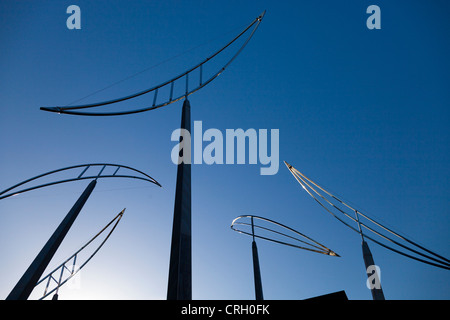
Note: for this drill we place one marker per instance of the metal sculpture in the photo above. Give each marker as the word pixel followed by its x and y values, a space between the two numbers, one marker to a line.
pixel 72 268
pixel 180 277
pixel 81 176
pixel 297 240
pixel 25 285
pixel 169 84
pixel 337 208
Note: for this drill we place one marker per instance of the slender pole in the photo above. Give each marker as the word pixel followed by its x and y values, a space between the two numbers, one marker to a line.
pixel 26 284
pixel 375 287
pixel 180 268
pixel 256 269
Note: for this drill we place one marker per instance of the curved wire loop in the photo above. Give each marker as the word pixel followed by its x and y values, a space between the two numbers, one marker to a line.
pixel 69 265
pixel 306 242
pixel 167 84
pixel 330 202
pixel 143 176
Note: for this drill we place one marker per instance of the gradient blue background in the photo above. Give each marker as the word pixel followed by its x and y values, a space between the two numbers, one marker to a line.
pixel 362 112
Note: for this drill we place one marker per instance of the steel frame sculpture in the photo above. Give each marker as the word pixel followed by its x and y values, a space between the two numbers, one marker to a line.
pixel 337 208
pixel 27 282
pixel 300 241
pixel 82 176
pixel 180 273
pixel 166 84
pixel 73 269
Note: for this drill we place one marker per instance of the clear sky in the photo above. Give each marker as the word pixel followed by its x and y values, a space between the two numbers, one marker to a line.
pixel 362 112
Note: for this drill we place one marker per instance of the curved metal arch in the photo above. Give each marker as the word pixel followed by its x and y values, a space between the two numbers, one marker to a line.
pixel 314 246
pixel 62 267
pixel 4 194
pixel 72 110
pixel 308 185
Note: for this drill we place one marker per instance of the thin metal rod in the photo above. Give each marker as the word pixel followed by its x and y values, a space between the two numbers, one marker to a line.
pixel 60 279
pixel 253 229
pixel 85 169
pixel 116 171
pixel 48 283
pixel 171 90
pixel 359 225
pixel 154 97
pixel 100 173
pixel 23 288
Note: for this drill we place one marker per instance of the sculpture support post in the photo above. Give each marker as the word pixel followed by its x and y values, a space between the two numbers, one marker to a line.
pixel 257 273
pixel 26 284
pixel 375 287
pixel 180 268
pixel 256 269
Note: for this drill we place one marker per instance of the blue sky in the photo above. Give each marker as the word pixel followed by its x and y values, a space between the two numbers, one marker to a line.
pixel 362 112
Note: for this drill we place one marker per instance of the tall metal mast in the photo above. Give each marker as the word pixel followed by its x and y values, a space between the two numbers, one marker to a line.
pixel 256 270
pixel 26 284
pixel 180 268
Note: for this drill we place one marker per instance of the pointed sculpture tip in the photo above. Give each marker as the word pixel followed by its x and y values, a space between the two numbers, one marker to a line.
pixel 287 165
pixel 262 15
pixel 122 212
pixel 334 254
pixel 51 109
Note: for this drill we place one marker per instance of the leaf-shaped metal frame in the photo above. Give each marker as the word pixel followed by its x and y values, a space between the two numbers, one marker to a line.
pixel 4 194
pixel 297 236
pixel 330 202
pixel 73 271
pixel 170 83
